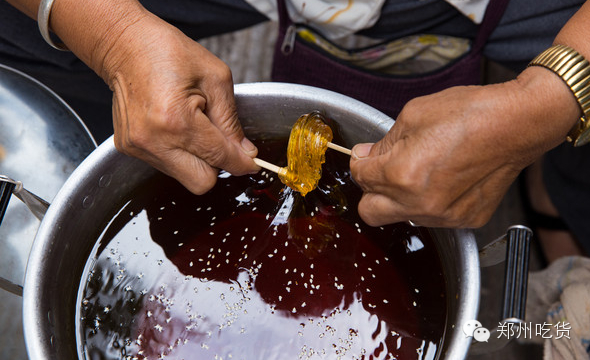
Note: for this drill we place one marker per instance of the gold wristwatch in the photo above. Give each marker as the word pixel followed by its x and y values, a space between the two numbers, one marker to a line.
pixel 575 71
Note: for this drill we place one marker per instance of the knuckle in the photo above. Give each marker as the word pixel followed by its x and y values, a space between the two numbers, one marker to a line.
pixel 221 72
pixel 376 210
pixel 480 219
pixel 412 180
pixel 135 140
pixel 214 155
pixel 412 108
pixel 360 177
pixel 437 206
pixel 224 73
pixel 366 212
pixel 203 184
pixel 118 143
pixel 125 144
pixel 200 179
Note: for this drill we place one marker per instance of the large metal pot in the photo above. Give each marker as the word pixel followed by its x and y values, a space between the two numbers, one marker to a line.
pixel 88 199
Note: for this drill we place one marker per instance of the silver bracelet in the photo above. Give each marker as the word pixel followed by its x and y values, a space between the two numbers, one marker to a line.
pixel 43 22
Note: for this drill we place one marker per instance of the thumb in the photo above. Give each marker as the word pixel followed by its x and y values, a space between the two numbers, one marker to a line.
pixel 367 168
pixel 221 110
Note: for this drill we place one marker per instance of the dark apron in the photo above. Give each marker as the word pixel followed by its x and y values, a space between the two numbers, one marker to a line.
pixel 304 63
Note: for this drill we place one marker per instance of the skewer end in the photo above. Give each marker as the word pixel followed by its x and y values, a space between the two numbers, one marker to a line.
pixel 339 148
pixel 268 166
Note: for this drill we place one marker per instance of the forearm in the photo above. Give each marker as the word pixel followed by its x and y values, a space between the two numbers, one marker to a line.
pixel 550 99
pixel 576 32
pixel 91 29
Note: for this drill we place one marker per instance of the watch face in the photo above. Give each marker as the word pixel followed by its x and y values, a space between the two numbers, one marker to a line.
pixel 583 139
pixel 583 132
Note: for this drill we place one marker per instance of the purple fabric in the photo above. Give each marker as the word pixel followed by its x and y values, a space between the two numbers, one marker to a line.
pixel 310 66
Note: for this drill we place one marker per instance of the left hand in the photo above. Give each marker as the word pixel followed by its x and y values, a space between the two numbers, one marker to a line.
pixel 451 156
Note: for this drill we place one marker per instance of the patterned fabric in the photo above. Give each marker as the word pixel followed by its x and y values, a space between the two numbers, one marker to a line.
pixel 339 18
pixel 410 55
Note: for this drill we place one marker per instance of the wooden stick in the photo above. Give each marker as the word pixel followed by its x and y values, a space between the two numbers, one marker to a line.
pixel 339 148
pixel 268 166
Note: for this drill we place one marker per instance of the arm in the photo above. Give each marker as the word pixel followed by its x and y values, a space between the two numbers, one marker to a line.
pixel 451 156
pixel 173 102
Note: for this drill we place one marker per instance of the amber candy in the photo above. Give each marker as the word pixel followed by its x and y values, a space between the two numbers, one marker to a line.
pixel 306 153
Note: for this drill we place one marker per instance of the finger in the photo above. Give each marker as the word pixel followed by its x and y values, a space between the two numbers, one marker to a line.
pixel 210 144
pixel 221 110
pixel 366 170
pixel 376 210
pixel 382 173
pixel 370 162
pixel 386 143
pixel 192 172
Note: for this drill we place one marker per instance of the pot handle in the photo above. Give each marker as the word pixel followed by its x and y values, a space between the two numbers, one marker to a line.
pixel 6 188
pixel 515 247
pixel 36 205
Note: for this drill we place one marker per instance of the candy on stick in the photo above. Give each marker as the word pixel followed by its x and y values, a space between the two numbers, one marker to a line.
pixel 310 138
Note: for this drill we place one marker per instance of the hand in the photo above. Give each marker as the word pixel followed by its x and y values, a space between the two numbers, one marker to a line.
pixel 451 156
pixel 173 106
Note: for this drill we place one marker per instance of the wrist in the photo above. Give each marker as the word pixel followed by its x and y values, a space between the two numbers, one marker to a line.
pixel 93 29
pixel 574 70
pixel 552 107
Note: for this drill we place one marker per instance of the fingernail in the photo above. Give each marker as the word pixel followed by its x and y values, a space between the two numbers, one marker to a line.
pixel 361 151
pixel 248 147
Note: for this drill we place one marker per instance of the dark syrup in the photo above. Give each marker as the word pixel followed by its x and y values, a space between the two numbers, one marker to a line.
pixel 252 270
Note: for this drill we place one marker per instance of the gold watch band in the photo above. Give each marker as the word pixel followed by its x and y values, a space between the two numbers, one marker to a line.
pixel 574 69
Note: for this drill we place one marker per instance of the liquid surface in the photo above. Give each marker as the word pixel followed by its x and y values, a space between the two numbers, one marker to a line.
pixel 253 270
pixel 306 151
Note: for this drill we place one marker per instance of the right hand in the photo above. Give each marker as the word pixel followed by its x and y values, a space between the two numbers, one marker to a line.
pixel 451 156
pixel 173 106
